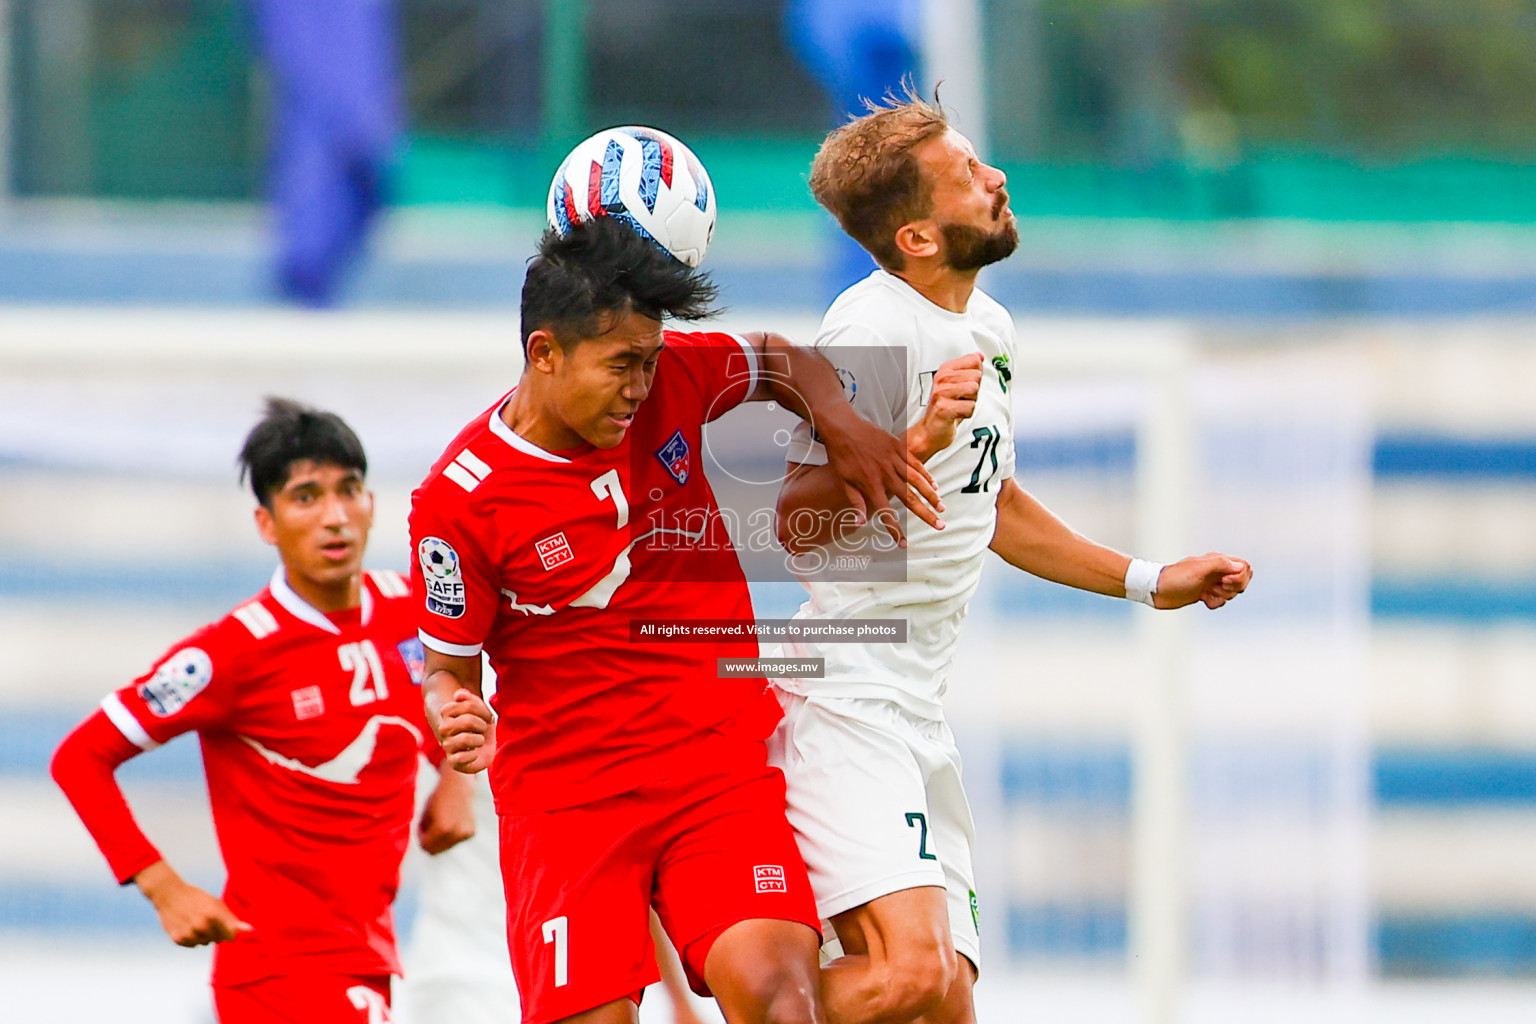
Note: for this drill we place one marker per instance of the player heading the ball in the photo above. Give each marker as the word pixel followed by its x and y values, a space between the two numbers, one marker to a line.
pixel 306 700
pixel 627 776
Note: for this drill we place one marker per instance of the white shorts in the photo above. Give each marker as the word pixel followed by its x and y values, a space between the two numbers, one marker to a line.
pixel 456 967
pixel 877 806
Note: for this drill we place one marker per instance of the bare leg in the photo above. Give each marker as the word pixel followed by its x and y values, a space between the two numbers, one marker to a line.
pixel 765 972
pixel 672 978
pixel 899 964
pixel 620 1011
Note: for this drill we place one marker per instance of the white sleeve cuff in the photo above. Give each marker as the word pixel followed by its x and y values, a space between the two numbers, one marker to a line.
pixel 120 716
pixel 1141 580
pixel 754 368
pixel 444 647
pixel 805 450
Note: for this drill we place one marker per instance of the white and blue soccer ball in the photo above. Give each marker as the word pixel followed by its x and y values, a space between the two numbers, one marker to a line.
pixel 438 559
pixel 644 178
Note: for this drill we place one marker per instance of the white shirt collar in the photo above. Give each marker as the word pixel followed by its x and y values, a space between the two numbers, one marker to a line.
pixel 303 610
pixel 900 285
pixel 500 429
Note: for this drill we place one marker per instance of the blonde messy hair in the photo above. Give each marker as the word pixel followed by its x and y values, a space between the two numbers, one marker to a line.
pixel 866 176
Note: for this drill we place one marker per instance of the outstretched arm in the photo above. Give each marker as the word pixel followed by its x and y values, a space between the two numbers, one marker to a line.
pixel 813 509
pixel 84 767
pixel 457 712
pixel 868 465
pixel 1030 537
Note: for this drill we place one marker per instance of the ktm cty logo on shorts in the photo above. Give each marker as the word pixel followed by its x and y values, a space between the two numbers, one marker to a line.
pixel 769 878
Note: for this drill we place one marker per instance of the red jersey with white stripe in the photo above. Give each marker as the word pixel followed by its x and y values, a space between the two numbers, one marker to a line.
pixel 543 559
pixel 311 726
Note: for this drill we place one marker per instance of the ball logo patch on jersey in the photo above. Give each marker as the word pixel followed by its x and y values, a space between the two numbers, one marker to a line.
pixel 554 551
pixel 179 678
pixel 849 382
pixel 674 455
pixel 770 878
pixel 440 570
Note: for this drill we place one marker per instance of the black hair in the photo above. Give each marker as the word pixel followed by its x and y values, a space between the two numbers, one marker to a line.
pixel 603 267
pixel 291 432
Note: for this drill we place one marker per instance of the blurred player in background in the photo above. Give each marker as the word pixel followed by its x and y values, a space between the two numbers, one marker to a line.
pixel 627 775
pixel 306 701
pixel 873 774
pixel 336 123
pixel 854 48
pixel 456 962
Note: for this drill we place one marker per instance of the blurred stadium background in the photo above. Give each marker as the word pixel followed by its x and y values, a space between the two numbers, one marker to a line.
pixel 1277 292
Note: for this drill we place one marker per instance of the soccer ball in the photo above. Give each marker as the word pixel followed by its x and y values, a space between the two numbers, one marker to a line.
pixel 644 178
pixel 438 559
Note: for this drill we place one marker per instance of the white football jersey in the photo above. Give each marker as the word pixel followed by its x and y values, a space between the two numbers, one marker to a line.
pixel 887 341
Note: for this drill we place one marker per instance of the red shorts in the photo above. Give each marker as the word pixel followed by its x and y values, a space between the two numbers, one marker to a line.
pixel 305 999
pixel 580 883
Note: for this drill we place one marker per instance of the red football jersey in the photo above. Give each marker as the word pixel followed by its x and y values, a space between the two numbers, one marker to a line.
pixel 311 726
pixel 543 558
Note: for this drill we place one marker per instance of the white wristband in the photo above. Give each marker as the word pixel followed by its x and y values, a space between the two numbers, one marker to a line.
pixel 1141 580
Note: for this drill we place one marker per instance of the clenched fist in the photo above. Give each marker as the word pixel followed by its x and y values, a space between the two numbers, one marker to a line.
pixel 956 386
pixel 189 915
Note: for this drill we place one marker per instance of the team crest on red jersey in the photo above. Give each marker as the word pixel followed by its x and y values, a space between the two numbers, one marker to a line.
pixel 770 878
pixel 554 551
pixel 415 658
pixel 674 455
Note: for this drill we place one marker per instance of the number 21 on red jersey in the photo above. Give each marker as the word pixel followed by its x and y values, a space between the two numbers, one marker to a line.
pixel 362 660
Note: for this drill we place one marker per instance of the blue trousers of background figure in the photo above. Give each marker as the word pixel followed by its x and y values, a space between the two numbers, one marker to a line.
pixel 336 124
pixel 858 50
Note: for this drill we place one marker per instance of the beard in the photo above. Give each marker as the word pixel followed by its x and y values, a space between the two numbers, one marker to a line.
pixel 970 248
